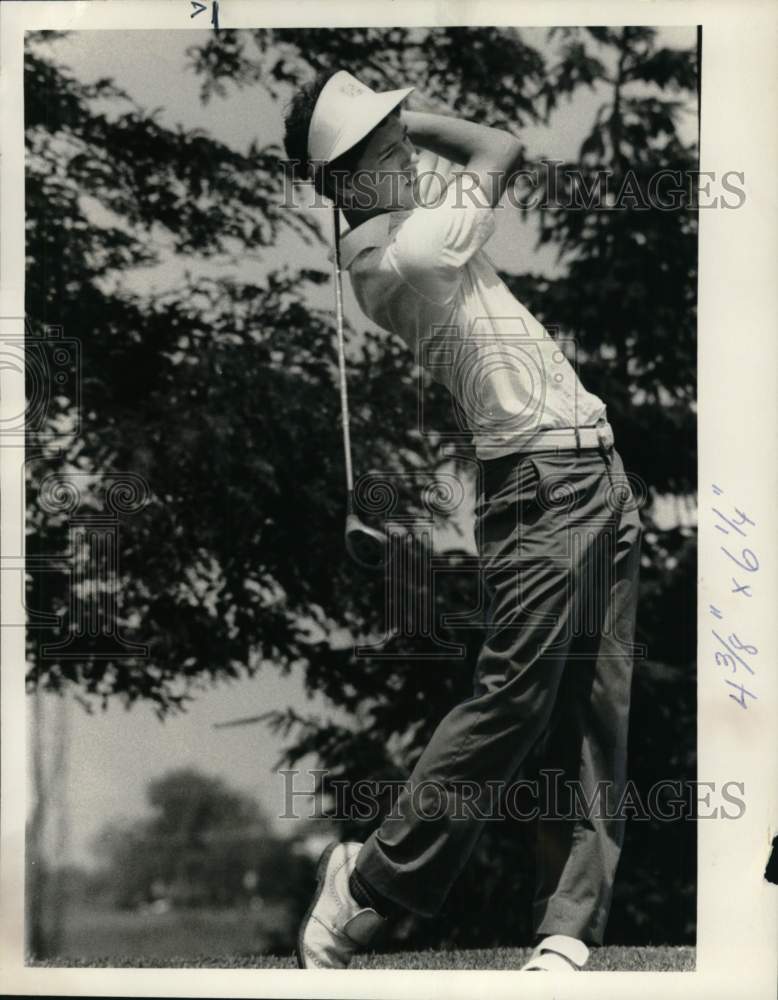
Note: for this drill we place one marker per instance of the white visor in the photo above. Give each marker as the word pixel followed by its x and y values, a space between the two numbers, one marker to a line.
pixel 345 112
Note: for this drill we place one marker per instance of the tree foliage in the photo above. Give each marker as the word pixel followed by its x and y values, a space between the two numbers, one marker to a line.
pixel 628 295
pixel 203 845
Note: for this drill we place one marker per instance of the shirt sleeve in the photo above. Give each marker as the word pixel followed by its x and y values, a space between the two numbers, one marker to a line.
pixel 432 245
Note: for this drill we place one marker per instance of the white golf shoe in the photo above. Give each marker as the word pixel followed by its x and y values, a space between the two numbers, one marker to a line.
pixel 335 926
pixel 557 953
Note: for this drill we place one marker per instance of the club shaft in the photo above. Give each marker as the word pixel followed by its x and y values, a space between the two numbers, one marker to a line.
pixel 343 384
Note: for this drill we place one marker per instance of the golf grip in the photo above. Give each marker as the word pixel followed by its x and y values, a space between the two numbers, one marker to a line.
pixel 344 413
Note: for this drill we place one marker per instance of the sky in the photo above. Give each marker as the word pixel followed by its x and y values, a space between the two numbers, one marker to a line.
pixel 110 757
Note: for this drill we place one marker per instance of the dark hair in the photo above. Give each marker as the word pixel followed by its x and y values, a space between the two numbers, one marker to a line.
pixel 297 121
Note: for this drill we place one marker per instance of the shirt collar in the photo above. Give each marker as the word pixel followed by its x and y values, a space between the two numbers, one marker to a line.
pixel 372 233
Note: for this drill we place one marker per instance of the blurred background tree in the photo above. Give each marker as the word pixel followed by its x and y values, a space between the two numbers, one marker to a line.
pixel 205 846
pixel 221 396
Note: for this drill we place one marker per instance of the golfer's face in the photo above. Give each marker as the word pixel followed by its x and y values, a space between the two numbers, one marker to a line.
pixel 385 173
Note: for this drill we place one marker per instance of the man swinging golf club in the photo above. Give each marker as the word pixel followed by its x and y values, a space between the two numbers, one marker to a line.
pixel 557 530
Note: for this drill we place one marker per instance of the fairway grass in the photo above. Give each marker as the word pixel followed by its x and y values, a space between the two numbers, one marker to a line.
pixel 609 959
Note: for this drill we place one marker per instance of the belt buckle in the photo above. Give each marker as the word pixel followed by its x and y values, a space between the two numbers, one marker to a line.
pixel 605 436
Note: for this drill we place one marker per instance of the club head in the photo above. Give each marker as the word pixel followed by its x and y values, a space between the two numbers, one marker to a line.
pixel 366 546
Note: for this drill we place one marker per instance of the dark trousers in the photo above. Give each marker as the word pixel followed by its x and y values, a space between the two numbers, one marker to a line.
pixel 558 536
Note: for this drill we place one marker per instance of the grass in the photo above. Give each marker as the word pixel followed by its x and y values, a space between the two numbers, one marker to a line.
pixel 236 939
pixel 610 959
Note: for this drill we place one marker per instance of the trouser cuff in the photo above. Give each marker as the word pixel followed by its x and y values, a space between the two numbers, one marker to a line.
pixel 364 893
pixel 550 917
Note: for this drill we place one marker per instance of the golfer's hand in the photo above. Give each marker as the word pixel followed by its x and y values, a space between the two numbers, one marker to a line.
pixel 488 153
pixel 416 101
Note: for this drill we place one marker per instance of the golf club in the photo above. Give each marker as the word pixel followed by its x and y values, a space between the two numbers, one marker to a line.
pixel 365 545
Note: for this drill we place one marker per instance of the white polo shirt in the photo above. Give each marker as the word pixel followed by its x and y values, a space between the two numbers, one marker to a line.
pixel 423 275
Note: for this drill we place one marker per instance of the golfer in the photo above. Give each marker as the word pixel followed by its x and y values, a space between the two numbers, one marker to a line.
pixel 557 530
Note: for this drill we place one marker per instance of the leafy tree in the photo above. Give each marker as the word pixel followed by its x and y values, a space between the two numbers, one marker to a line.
pixel 221 399
pixel 628 290
pixel 204 844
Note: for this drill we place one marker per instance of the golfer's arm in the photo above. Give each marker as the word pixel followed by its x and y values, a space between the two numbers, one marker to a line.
pixel 489 153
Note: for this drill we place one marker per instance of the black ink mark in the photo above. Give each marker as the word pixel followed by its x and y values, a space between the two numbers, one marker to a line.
pixel 200 7
pixel 771 871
